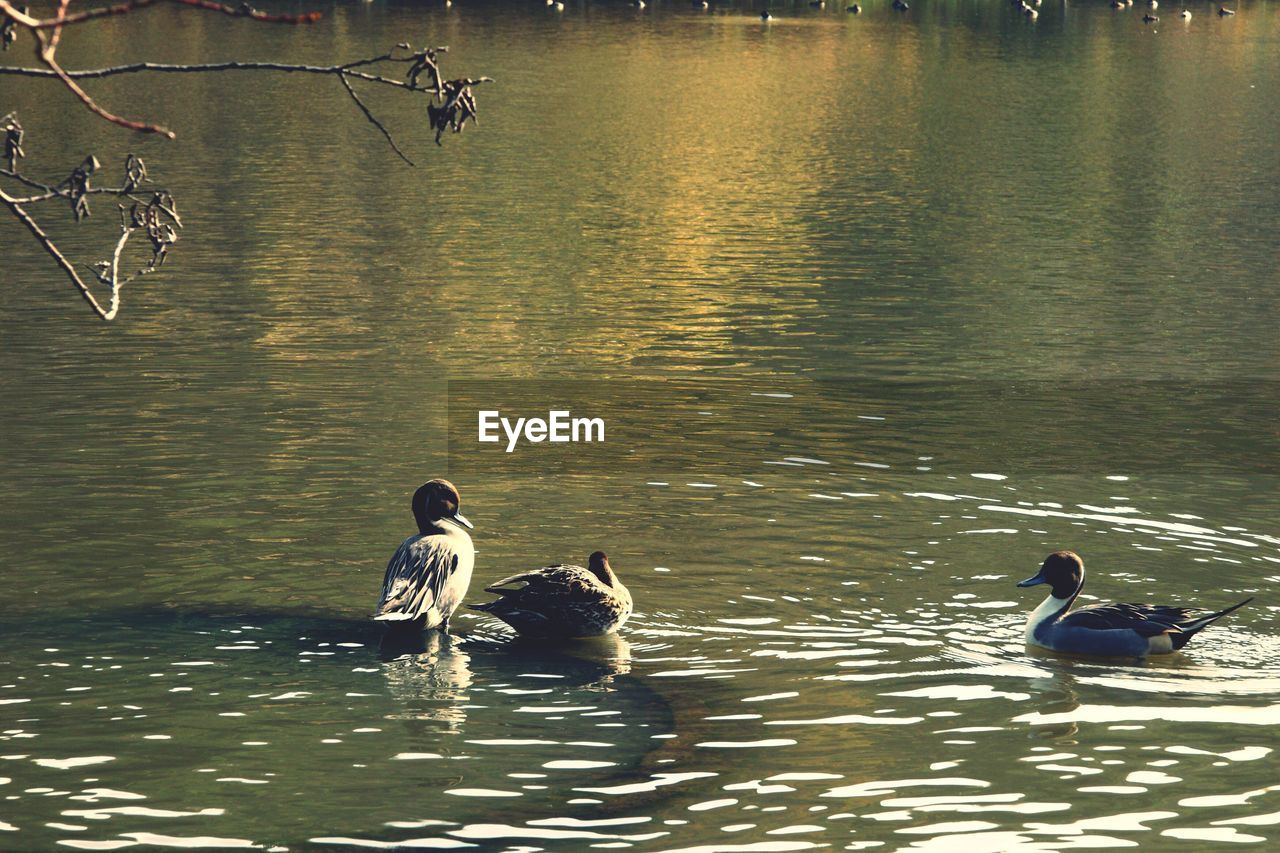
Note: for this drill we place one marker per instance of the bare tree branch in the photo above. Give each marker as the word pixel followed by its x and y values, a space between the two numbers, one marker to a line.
pixel 46 53
pixel 159 67
pixel 49 246
pixel 371 118
pixel 158 217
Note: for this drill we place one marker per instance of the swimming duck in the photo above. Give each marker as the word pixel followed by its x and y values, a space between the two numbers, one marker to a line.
pixel 429 573
pixel 1107 630
pixel 1150 19
pixel 562 601
pixel 900 5
pixel 1031 14
pixel 1224 11
pixel 855 9
pixel 1185 15
pixel 765 16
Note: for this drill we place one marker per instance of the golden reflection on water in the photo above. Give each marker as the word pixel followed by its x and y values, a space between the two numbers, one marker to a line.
pixel 826 652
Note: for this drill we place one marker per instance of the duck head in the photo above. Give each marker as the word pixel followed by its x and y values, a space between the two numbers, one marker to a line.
pixel 1063 571
pixel 434 500
pixel 598 565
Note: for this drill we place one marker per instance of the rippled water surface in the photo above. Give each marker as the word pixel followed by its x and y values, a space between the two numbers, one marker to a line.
pixel 879 310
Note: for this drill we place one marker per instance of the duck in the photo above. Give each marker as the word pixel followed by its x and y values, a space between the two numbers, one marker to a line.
pixel 1107 630
pixel 818 4
pixel 1150 19
pixel 1031 14
pixel 901 5
pixel 429 574
pixel 1223 11
pixel 563 601
pixel 765 16
pixel 1185 14
pixel 855 9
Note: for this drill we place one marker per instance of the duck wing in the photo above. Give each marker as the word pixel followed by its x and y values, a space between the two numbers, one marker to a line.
pixel 416 579
pixel 554 599
pixel 1148 620
pixel 549 580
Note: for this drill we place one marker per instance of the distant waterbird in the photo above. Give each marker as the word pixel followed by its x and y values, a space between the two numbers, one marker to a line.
pixel 562 601
pixel 1185 15
pixel 901 5
pixel 1150 19
pixel 1107 630
pixel 855 9
pixel 765 16
pixel 1031 14
pixel 429 573
pixel 1223 11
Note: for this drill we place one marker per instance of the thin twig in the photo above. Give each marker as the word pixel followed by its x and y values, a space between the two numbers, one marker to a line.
pixel 158 67
pixel 51 191
pixel 62 18
pixel 16 208
pixel 46 56
pixel 374 120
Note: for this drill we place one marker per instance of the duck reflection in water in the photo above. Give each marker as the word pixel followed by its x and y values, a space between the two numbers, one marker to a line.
pixel 431 684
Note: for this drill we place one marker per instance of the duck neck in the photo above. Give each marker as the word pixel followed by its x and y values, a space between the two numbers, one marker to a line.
pixel 1053 608
pixel 427 526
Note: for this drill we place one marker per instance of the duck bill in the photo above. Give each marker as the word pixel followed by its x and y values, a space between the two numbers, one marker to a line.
pixel 461 519
pixel 1032 581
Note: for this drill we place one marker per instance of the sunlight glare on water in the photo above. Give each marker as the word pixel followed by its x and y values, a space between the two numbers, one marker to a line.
pixel 880 311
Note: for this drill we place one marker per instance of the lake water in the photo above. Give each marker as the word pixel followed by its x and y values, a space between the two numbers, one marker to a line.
pixel 879 310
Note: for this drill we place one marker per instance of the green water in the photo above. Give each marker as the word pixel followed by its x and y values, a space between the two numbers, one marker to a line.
pixel 879 310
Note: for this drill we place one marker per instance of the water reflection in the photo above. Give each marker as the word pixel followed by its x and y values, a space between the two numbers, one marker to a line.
pixel 831 649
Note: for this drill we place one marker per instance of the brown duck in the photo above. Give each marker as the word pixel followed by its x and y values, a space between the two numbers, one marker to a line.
pixel 562 601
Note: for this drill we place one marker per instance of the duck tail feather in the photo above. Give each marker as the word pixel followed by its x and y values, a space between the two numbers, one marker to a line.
pixel 1189 629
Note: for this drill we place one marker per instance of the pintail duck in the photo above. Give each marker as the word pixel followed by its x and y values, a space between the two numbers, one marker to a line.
pixel 429 573
pixel 1107 630
pixel 562 601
